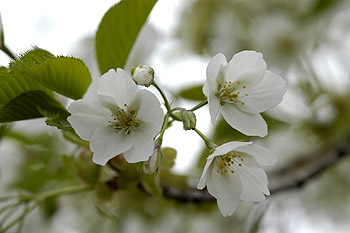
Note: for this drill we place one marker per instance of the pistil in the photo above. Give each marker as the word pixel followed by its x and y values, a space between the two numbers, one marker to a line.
pixel 232 93
pixel 124 120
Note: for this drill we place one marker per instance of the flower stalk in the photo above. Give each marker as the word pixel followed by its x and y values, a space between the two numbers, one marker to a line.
pixel 166 102
pixel 210 144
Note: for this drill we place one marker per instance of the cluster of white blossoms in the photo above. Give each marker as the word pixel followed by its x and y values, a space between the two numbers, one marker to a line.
pixel 121 118
pixel 240 90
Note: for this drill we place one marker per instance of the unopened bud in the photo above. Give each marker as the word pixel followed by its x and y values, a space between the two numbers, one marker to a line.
pixel 143 75
pixel 151 165
pixel 188 119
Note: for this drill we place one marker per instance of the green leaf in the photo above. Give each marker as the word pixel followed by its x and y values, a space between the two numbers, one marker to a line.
pixel 4 128
pixel 36 56
pixel 169 156
pixel 151 184
pixel 118 31
pixel 14 84
pixel 103 192
pixel 65 75
pixel 49 207
pixel 26 86
pixel 29 105
pixel 86 170
pixel 193 93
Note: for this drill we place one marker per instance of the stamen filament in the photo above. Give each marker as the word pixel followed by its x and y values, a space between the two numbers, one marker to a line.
pixel 225 163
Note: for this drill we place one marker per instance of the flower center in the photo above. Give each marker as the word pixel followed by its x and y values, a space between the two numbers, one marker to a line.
pixel 224 163
pixel 124 120
pixel 232 93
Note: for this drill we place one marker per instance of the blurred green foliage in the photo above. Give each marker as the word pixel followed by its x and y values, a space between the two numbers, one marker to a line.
pixel 192 93
pixel 281 30
pixel 40 168
pixel 287 32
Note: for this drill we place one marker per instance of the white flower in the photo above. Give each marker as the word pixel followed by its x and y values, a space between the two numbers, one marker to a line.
pixel 241 89
pixel 143 75
pixel 119 119
pixel 233 172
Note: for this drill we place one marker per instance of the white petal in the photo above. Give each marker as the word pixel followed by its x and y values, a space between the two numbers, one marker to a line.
pixel 267 94
pixel 143 143
pixel 214 106
pixel 248 123
pixel 205 89
pixel 118 85
pixel 262 155
pixel 87 115
pixel 210 88
pixel 247 67
pixel 108 102
pixel 227 147
pixel 213 70
pixel 140 151
pixel 106 144
pixel 150 110
pixel 220 150
pixel 226 189
pixel 254 180
pixel 202 181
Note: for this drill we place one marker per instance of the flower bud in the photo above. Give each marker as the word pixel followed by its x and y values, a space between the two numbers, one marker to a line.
pixel 143 75
pixel 188 119
pixel 151 165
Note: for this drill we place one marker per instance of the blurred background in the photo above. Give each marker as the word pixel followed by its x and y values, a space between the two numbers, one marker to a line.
pixel 307 42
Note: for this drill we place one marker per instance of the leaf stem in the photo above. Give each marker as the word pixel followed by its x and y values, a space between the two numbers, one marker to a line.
pixel 26 211
pixel 8 198
pixel 64 191
pixel 32 201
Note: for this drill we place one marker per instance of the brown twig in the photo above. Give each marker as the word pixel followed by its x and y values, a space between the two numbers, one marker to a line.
pixel 313 169
pixel 187 196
